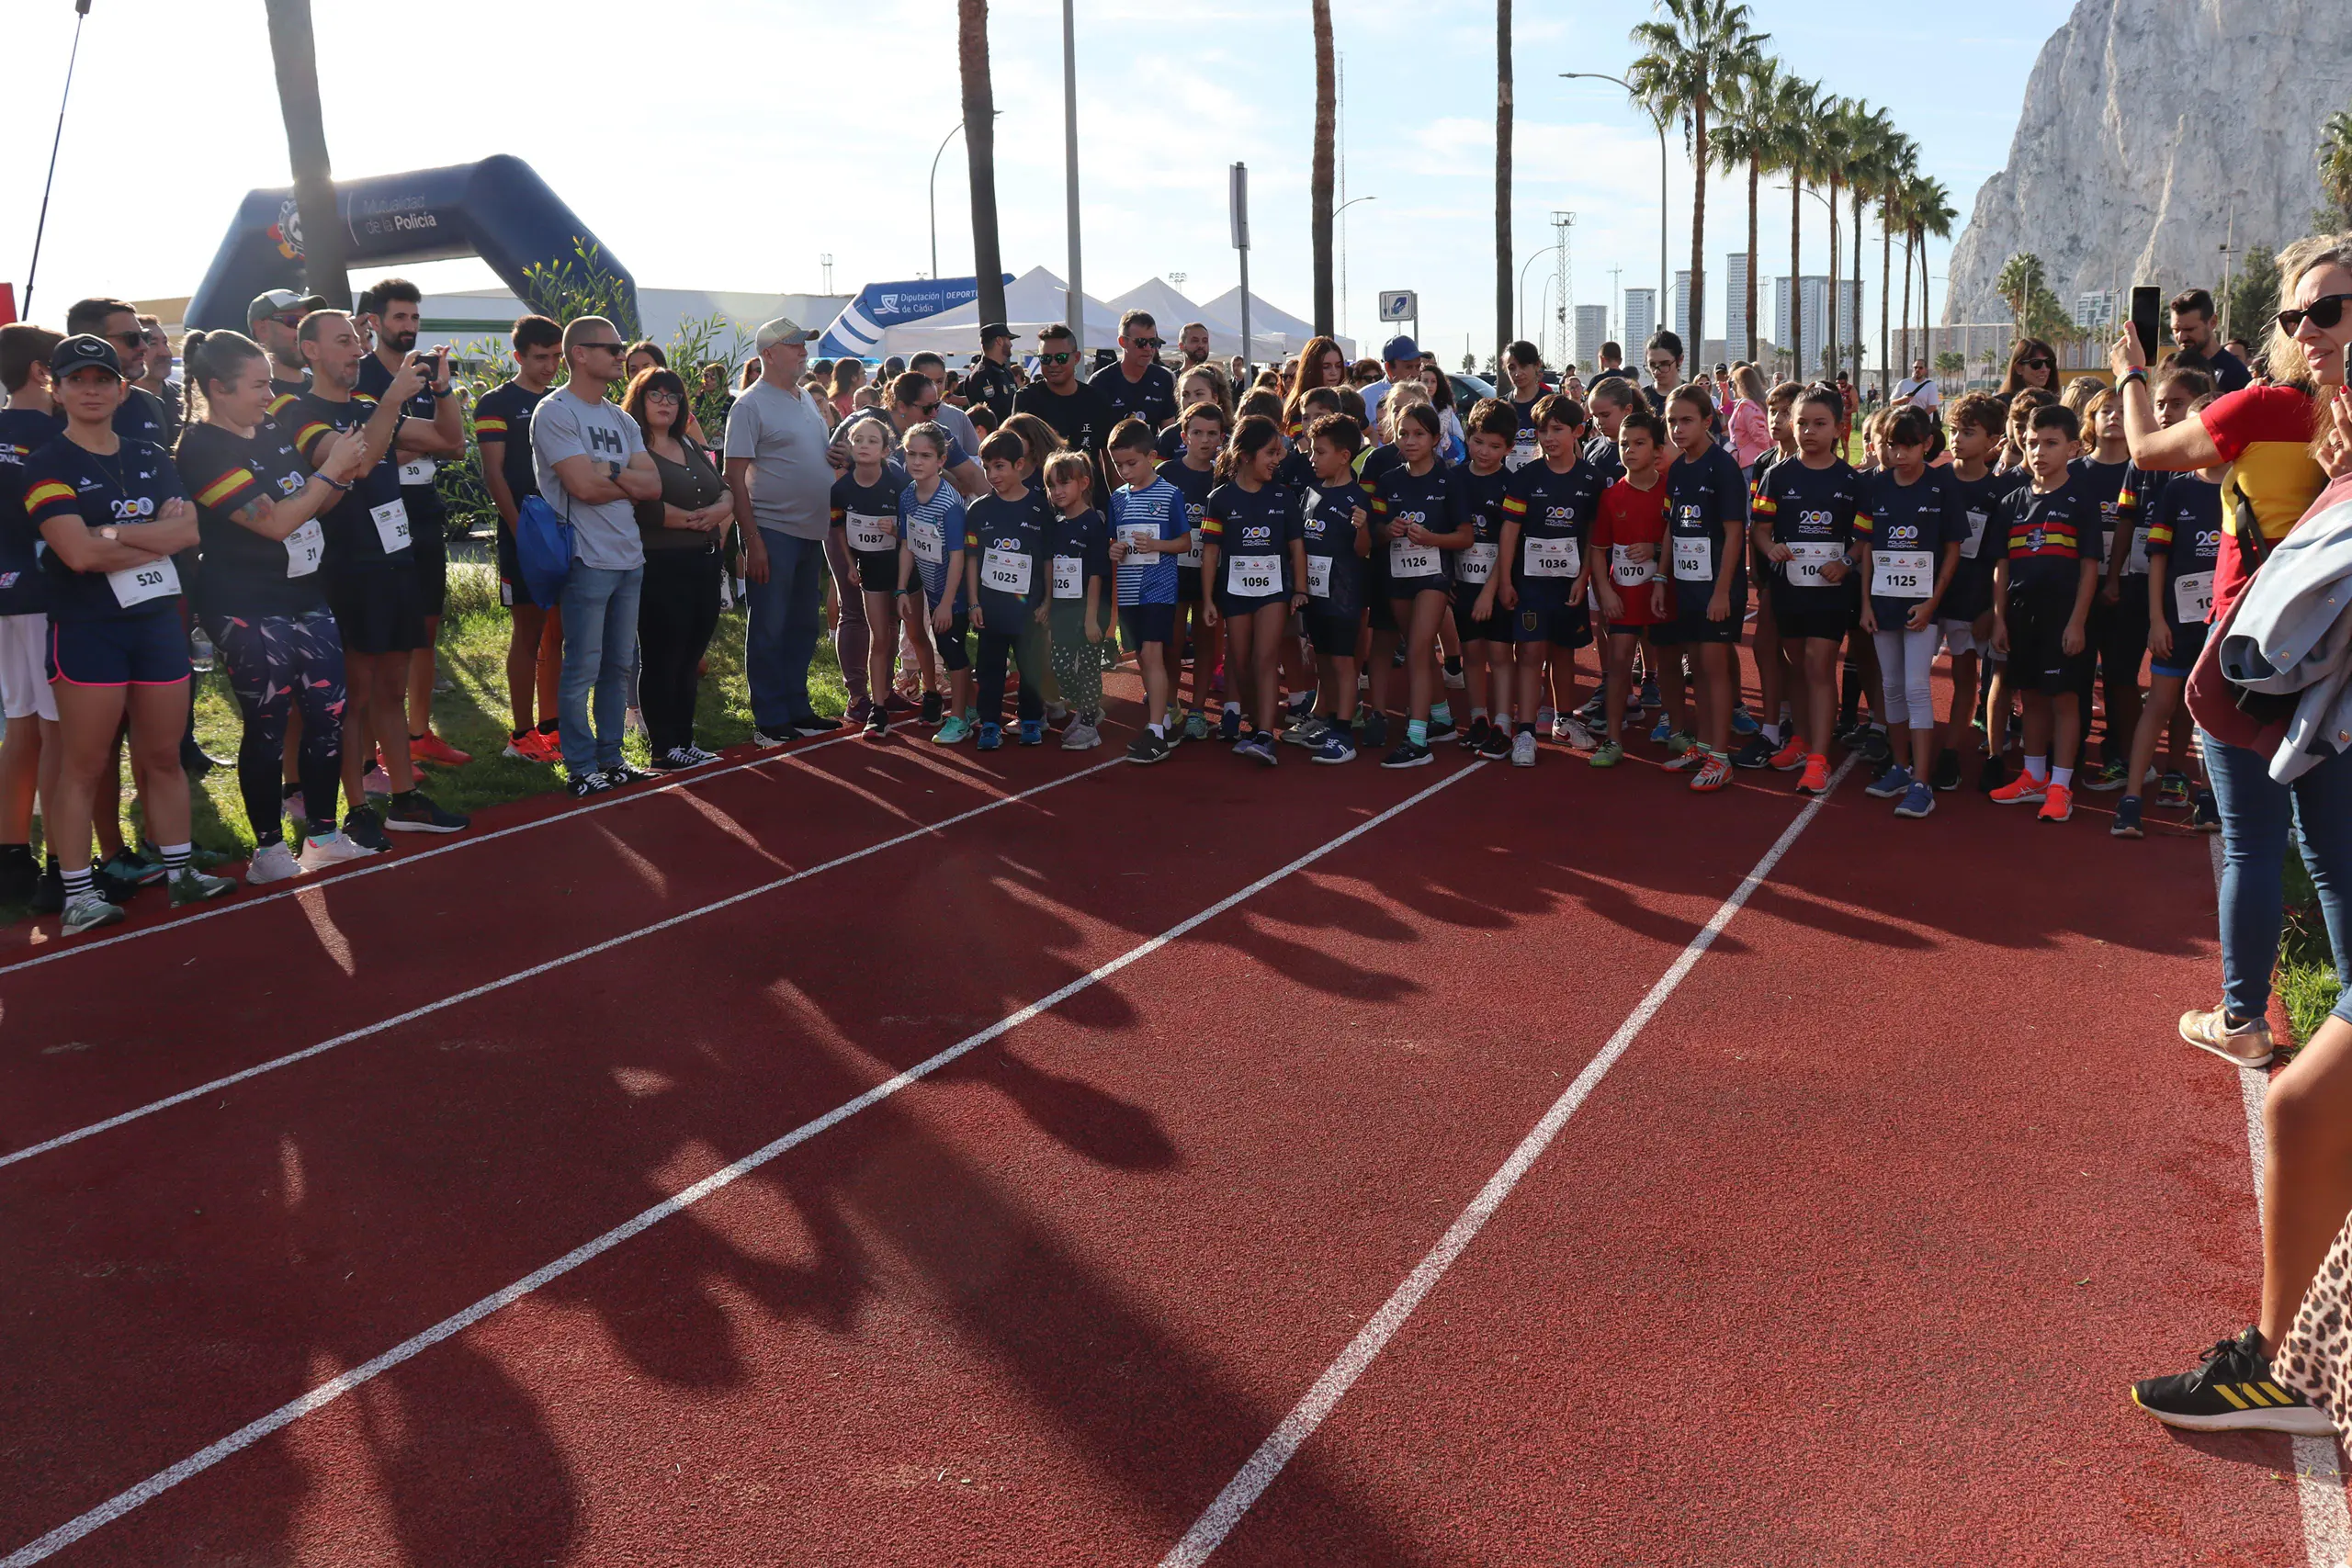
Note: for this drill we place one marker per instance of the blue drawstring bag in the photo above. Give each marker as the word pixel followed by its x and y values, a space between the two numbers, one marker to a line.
pixel 543 549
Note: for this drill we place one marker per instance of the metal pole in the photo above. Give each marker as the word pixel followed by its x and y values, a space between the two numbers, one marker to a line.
pixel 81 11
pixel 1662 263
pixel 1069 142
pixel 935 195
pixel 1240 202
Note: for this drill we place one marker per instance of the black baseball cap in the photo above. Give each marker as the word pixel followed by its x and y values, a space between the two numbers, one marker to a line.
pixel 79 352
pixel 994 331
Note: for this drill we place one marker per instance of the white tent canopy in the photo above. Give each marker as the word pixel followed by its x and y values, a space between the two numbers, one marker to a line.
pixel 1031 300
pixel 1267 324
pixel 1172 312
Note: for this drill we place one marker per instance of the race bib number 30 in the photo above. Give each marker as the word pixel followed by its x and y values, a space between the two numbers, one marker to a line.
pixel 1253 577
pixel 305 547
pixel 391 526
pixel 418 471
pixel 1006 571
pixel 1552 558
pixel 1903 574
pixel 159 580
pixel 1694 558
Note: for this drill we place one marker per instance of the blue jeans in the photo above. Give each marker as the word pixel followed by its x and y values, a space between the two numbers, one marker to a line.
pixel 2256 814
pixel 787 613
pixel 599 641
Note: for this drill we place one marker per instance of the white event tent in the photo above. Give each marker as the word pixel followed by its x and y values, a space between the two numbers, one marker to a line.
pixel 1171 310
pixel 1267 324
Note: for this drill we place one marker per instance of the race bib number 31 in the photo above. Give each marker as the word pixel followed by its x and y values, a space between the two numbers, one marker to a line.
pixel 305 547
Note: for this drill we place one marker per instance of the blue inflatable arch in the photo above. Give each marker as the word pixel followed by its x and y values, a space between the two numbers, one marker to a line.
pixel 498 209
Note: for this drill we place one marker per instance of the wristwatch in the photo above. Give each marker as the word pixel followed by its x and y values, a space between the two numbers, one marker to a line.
pixel 615 469
pixel 110 534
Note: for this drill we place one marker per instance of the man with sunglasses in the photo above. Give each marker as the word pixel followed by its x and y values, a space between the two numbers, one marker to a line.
pixel 274 319
pixel 2192 333
pixel 1136 386
pixel 142 416
pixel 957 422
pixel 1073 407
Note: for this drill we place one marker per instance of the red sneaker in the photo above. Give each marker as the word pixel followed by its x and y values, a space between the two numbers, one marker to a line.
pixel 431 747
pixel 2057 804
pixel 1816 778
pixel 1793 756
pixel 2022 790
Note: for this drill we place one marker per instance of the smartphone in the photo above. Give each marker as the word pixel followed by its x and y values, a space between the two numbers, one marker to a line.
pixel 2147 308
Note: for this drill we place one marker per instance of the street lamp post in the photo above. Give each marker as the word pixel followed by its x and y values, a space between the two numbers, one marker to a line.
pixel 1533 256
pixel 1344 253
pixel 935 192
pixel 1664 276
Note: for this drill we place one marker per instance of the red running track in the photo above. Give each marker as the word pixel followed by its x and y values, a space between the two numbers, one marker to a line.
pixel 1040 1307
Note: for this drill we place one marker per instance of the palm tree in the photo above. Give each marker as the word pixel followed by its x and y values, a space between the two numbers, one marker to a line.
pixel 1870 152
pixel 1319 198
pixel 1898 164
pixel 1691 58
pixel 2335 164
pixel 295 53
pixel 1795 109
pixel 1830 133
pixel 1931 215
pixel 980 149
pixel 1746 140
pixel 1502 182
pixel 2020 277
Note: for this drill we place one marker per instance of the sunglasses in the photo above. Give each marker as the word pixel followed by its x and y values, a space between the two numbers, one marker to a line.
pixel 128 340
pixel 2324 312
pixel 2038 364
pixel 1062 359
pixel 607 347
pixel 285 318
pixel 1153 344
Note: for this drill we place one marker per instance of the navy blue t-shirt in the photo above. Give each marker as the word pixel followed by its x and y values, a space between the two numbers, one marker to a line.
pixel 368 528
pixel 1194 485
pixel 1434 499
pixel 2048 536
pixel 2186 530
pixel 125 489
pixel 2106 482
pixel 23 431
pixel 1482 501
pixel 505 415
pixel 246 574
pixel 1251 525
pixel 1555 512
pixel 1329 530
pixel 1811 512
pixel 1008 539
pixel 423 500
pixel 1086 540
pixel 1971 594
pixel 1909 520
pixel 1703 495
pixel 868 515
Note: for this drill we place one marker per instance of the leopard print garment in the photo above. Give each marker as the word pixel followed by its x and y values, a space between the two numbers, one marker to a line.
pixel 2317 1360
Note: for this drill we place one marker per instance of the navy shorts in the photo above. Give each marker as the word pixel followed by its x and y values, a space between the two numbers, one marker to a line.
pixel 380 609
pixel 1141 623
pixel 127 651
pixel 1690 624
pixel 511 590
pixel 1227 604
pixel 877 570
pixel 1561 625
pixel 428 548
pixel 2038 657
pixel 1188 585
pixel 2188 643
pixel 1494 628
pixel 1334 637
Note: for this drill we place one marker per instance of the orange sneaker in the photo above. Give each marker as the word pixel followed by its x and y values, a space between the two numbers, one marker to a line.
pixel 2057 804
pixel 431 747
pixel 2022 790
pixel 1793 756
pixel 1815 779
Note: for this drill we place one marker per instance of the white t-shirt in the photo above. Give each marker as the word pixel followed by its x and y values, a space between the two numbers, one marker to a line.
pixel 1923 394
pixel 791 479
pixel 603 532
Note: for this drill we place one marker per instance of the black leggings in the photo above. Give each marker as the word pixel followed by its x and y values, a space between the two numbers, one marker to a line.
pixel 676 614
pixel 987 674
pixel 276 664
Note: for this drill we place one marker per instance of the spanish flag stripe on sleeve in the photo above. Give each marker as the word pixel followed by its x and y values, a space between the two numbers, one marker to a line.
pixel 2159 533
pixel 489 427
pixel 1514 507
pixel 224 487
pixel 311 432
pixel 48 492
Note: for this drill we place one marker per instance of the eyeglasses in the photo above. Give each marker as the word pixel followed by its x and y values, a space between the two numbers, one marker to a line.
pixel 2324 312
pixel 1062 359
pixel 128 340
pixel 1152 344
pixel 284 319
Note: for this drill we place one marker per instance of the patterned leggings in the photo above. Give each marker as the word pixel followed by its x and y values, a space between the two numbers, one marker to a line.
pixel 276 664
pixel 1077 663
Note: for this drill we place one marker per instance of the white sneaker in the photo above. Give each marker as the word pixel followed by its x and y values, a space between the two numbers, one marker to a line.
pixel 763 738
pixel 319 854
pixel 1080 737
pixel 1575 733
pixel 273 863
pixel 1522 748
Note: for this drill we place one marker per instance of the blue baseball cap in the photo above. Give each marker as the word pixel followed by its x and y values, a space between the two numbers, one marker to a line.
pixel 1397 348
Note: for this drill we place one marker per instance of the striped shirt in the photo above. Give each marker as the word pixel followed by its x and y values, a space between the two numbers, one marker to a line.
pixel 1149 579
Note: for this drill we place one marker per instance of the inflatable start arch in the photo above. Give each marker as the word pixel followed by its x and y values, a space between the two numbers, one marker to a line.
pixel 498 209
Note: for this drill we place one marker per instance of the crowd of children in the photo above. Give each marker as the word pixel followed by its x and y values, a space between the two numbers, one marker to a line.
pixel 1321 569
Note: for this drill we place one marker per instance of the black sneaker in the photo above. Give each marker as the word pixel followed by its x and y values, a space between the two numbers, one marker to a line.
pixel 122 874
pixel 2127 820
pixel 1407 756
pixel 49 898
pixel 1876 745
pixel 1992 775
pixel 1372 730
pixel 415 813
pixel 19 877
pixel 362 828
pixel 877 722
pixel 1441 729
pixel 1753 753
pixel 621 773
pixel 1496 747
pixel 2206 817
pixel 588 784
pixel 1946 776
pixel 194 760
pixel 2231 1391
pixel 678 757
pixel 814 723
pixel 1147 748
pixel 930 708
pixel 1474 738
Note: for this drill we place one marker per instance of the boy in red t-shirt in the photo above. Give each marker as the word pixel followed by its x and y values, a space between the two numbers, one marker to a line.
pixel 1626 536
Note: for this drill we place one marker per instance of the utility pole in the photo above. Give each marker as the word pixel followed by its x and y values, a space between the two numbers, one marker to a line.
pixel 1240 244
pixel 1560 223
pixel 1069 143
pixel 1616 304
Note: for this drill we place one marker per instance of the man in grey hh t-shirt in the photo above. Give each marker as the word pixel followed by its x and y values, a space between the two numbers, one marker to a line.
pixel 777 469
pixel 593 468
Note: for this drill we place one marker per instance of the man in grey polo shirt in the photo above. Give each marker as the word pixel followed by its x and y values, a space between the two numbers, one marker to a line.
pixel 592 464
pixel 781 480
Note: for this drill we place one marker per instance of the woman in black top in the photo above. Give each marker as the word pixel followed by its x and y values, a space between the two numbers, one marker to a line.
pixel 262 597
pixel 679 608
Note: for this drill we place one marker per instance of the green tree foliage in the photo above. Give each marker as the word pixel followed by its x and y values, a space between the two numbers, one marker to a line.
pixel 2254 295
pixel 578 285
pixel 2024 285
pixel 2335 172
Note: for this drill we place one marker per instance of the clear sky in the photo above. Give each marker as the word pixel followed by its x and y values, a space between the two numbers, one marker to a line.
pixel 731 143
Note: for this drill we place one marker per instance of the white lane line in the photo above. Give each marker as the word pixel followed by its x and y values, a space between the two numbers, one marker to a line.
pixel 519 976
pixel 327 1392
pixel 1258 1472
pixel 2319 1476
pixel 396 862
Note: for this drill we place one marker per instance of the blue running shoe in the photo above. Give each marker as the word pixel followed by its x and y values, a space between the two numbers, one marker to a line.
pixel 1890 784
pixel 2127 820
pixel 1744 722
pixel 1333 747
pixel 1663 733
pixel 1228 728
pixel 992 737
pixel 1918 801
pixel 1033 732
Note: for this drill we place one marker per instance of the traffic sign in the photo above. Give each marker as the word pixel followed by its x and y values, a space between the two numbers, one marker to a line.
pixel 1400 305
